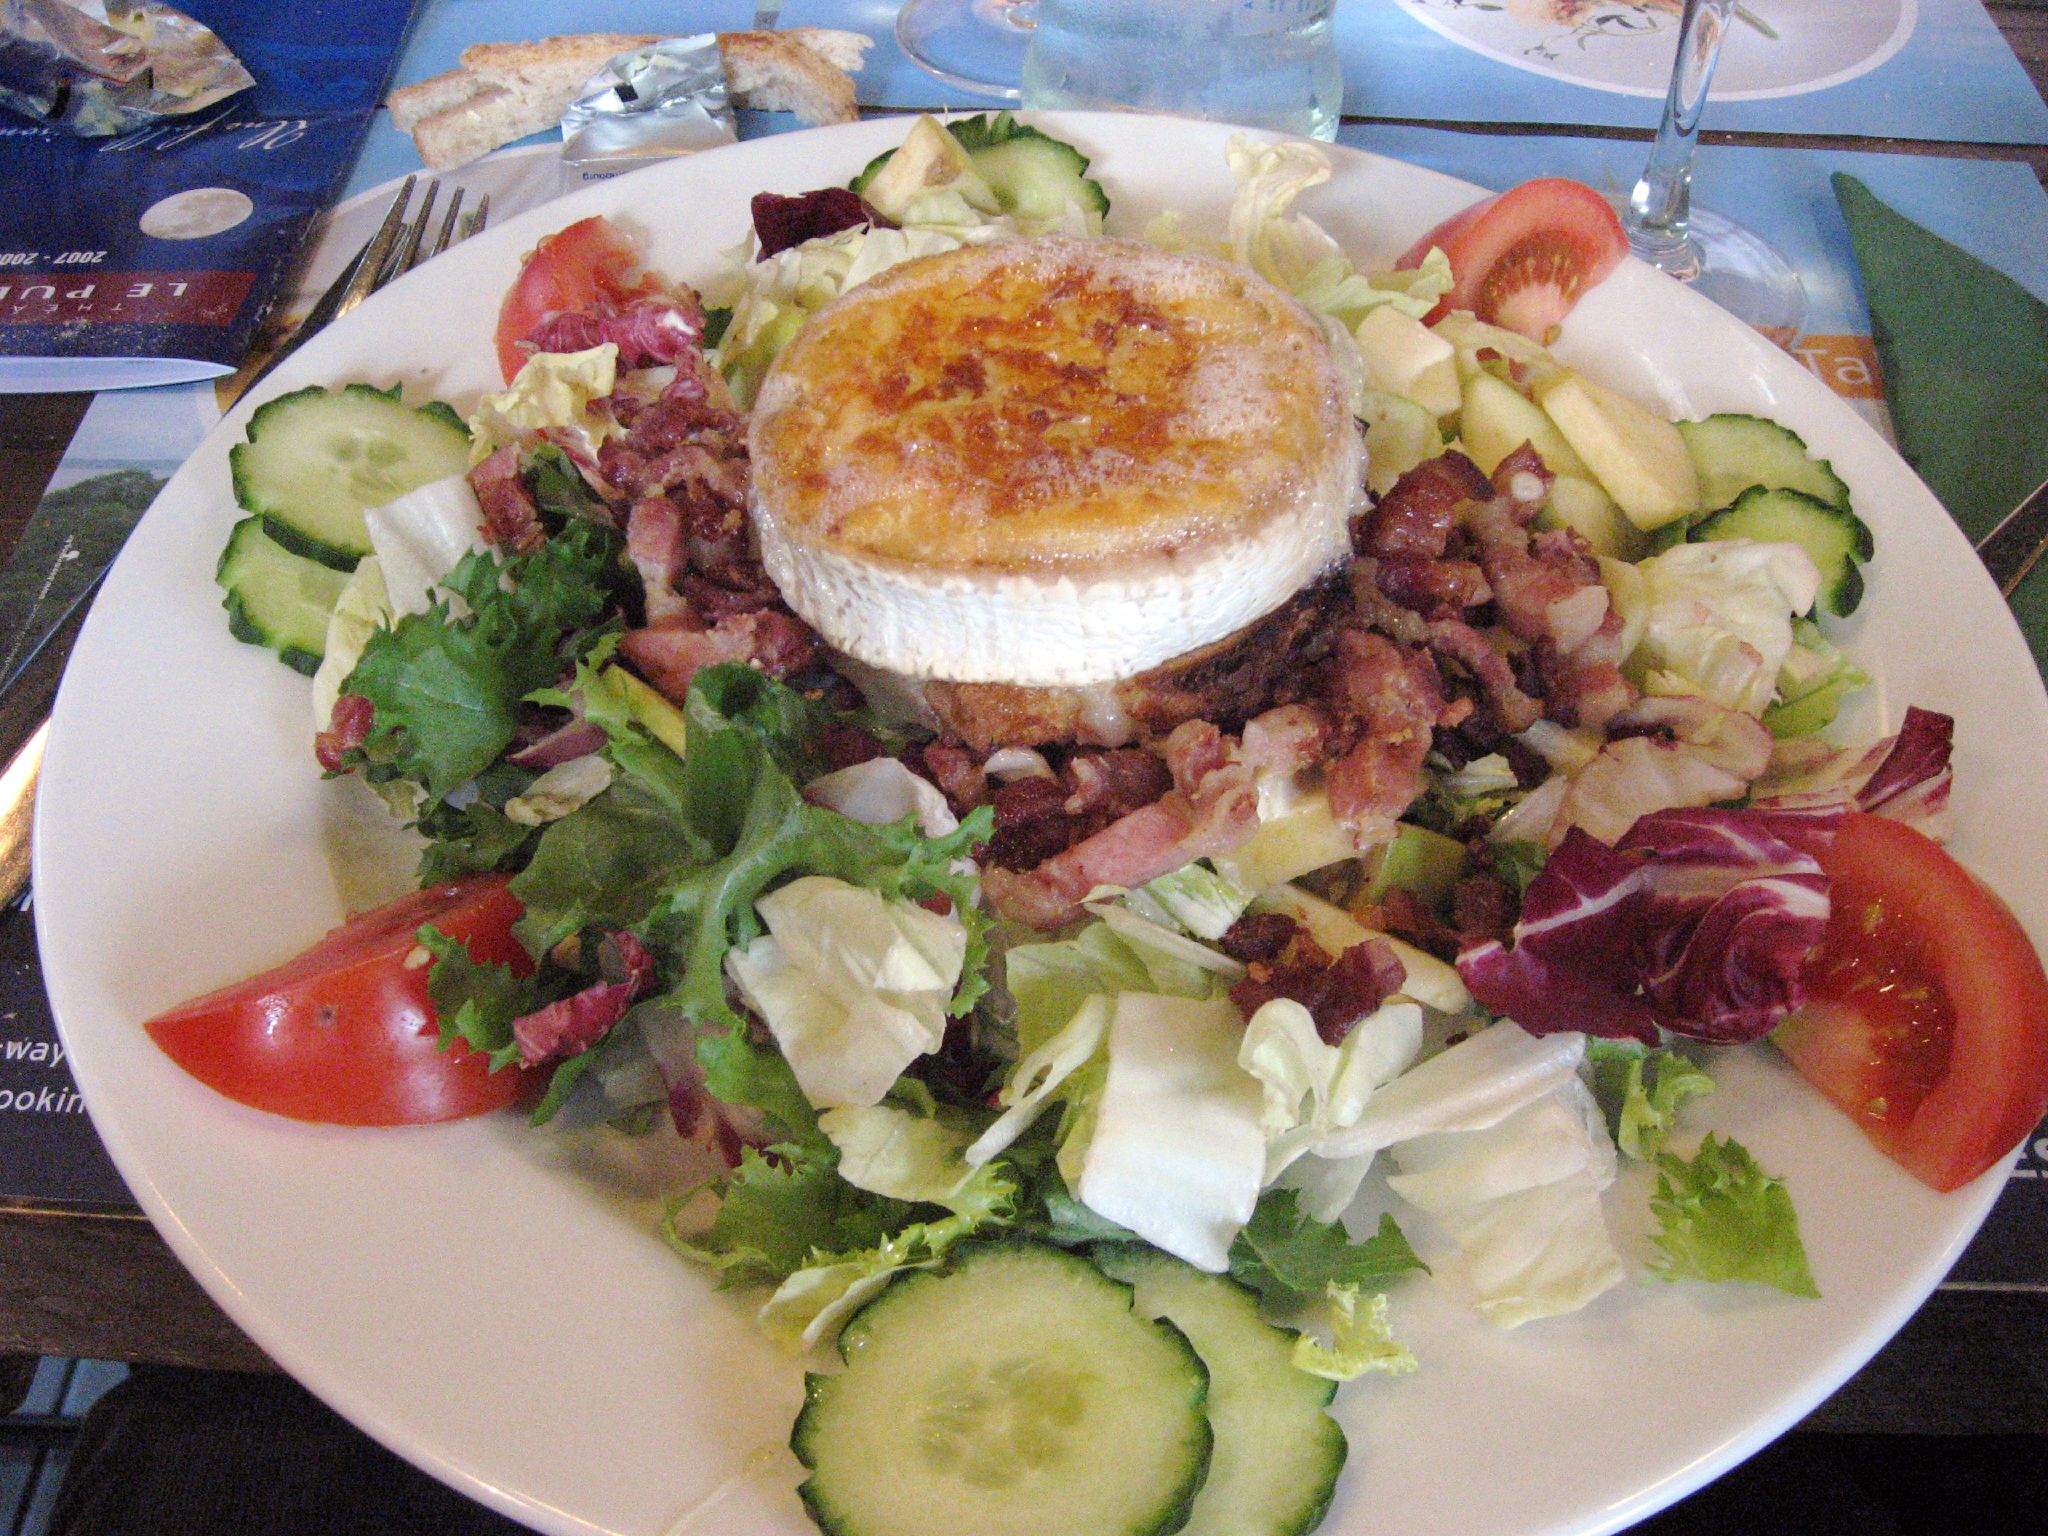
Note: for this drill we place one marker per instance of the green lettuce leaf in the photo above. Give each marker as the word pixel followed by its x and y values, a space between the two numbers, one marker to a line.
pixel 1640 1091
pixel 809 1306
pixel 777 1209
pixel 1724 1218
pixel 447 690
pixel 1291 1259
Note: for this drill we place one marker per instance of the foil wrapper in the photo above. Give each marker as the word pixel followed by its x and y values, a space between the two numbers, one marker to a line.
pixel 99 67
pixel 666 99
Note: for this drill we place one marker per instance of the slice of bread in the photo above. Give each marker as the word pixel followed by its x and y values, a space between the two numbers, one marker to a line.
pixel 505 91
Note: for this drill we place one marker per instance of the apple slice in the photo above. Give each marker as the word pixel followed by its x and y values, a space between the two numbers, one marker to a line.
pixel 1638 457
pixel 1582 505
pixel 1497 419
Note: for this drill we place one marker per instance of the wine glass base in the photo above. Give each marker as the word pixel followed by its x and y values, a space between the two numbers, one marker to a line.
pixel 973 45
pixel 1740 271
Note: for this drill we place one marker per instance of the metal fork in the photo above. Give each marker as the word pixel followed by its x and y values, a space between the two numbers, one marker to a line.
pixel 399 245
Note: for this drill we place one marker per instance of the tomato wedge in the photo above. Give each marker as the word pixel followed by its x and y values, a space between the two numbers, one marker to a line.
pixel 345 1034
pixel 569 270
pixel 1927 1019
pixel 1524 258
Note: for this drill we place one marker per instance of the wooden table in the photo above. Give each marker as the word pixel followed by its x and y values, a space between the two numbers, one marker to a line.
pixel 104 1286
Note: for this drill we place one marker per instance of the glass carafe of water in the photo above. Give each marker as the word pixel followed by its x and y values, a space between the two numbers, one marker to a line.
pixel 1263 63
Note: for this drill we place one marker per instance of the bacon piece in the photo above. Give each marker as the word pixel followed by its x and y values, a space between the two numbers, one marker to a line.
pixel 649 330
pixel 1436 588
pixel 1513 710
pixel 574 1024
pixel 1284 740
pixel 1259 936
pixel 952 767
pixel 1388 700
pixel 1337 993
pixel 654 543
pixel 1032 823
pixel 1417 515
pixel 511 520
pixel 1212 809
pixel 690 451
pixel 348 727
pixel 1523 481
pixel 779 644
pixel 842 744
pixel 1105 785
pixel 1375 610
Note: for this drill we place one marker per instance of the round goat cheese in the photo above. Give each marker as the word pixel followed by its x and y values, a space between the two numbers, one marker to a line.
pixel 1051 462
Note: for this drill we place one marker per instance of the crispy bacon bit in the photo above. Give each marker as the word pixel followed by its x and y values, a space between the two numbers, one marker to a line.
pixel 1483 907
pixel 691 452
pixel 347 728
pixel 654 543
pixel 1388 700
pixel 1337 993
pixel 781 222
pixel 1402 913
pixel 1417 515
pixel 1212 808
pixel 575 1023
pixel 842 744
pixel 1284 740
pixel 779 644
pixel 1513 710
pixel 650 330
pixel 511 520
pixel 953 768
pixel 1435 588
pixel 1032 824
pixel 1259 936
pixel 1109 784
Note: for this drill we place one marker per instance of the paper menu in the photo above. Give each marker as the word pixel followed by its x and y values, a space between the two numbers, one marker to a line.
pixel 152 257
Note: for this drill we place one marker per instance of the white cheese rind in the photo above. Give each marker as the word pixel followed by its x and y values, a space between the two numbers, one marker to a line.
pixel 1055 631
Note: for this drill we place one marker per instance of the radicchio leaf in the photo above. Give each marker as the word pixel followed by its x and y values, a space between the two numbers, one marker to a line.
pixel 781 222
pixel 1695 921
pixel 1906 777
pixel 649 329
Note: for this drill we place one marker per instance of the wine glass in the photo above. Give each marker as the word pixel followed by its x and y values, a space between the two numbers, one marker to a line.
pixel 977 45
pixel 1732 265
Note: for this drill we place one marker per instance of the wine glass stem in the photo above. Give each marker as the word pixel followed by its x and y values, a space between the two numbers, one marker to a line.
pixel 1659 217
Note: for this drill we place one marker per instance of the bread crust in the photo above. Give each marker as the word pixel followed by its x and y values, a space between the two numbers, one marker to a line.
pixel 1225 683
pixel 505 91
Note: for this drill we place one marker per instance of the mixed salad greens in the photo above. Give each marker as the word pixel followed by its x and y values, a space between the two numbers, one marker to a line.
pixel 726 921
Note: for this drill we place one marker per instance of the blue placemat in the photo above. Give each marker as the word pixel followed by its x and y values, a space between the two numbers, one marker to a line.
pixel 1397 66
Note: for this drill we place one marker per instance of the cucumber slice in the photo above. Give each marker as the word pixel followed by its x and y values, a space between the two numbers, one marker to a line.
pixel 1034 176
pixel 1016 1394
pixel 276 598
pixel 1837 538
pixel 1734 452
pixel 1277 1452
pixel 316 460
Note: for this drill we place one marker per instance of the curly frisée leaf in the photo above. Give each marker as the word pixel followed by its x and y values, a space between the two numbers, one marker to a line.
pixel 1361 1340
pixel 1724 1218
pixel 1640 1090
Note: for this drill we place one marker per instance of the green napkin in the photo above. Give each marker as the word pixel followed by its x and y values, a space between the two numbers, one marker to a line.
pixel 1964 351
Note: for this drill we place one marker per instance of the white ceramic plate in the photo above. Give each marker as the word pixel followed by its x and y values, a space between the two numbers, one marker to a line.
pixel 1626 46
pixel 494 1303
